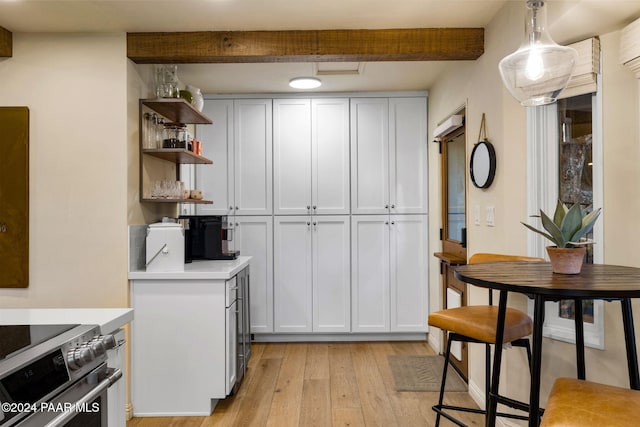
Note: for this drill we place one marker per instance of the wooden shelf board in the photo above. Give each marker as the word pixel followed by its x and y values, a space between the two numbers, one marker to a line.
pixel 193 201
pixel 177 155
pixel 177 110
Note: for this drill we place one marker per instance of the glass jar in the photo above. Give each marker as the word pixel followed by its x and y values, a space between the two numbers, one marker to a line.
pixel 174 135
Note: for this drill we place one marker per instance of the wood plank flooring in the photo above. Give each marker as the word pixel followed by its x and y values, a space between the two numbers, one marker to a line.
pixel 323 385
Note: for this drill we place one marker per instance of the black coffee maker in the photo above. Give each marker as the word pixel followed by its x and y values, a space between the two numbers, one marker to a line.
pixel 207 237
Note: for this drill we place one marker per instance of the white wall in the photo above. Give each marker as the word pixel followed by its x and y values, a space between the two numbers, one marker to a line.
pixel 478 85
pixel 75 86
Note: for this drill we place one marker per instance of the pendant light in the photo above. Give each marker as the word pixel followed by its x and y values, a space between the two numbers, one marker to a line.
pixel 540 69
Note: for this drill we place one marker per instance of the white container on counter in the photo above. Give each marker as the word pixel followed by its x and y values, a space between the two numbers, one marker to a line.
pixel 165 247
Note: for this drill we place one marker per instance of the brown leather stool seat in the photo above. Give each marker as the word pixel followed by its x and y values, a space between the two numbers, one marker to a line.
pixel 479 322
pixel 579 403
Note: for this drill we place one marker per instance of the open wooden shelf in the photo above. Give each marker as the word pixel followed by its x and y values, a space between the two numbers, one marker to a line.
pixel 177 110
pixel 177 155
pixel 193 201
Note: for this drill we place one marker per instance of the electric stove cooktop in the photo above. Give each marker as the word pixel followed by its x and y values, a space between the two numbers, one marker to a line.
pixel 15 339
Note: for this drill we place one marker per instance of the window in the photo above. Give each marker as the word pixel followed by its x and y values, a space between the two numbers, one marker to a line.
pixel 564 162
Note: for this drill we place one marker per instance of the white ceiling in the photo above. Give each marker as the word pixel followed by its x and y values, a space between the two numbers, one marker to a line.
pixel 220 15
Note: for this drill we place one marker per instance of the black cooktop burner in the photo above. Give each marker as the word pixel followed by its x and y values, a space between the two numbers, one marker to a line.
pixel 17 338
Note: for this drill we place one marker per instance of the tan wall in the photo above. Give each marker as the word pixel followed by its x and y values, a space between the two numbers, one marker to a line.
pixel 75 88
pixel 478 85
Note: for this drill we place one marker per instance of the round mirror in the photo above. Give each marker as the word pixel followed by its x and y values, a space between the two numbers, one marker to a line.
pixel 483 164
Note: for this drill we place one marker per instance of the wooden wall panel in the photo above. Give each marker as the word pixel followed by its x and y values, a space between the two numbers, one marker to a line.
pixel 6 43
pixel 14 197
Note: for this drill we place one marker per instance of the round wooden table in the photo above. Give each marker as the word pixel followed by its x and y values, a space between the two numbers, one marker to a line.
pixel 537 281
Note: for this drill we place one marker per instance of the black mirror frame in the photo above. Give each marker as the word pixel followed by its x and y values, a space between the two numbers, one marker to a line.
pixel 492 164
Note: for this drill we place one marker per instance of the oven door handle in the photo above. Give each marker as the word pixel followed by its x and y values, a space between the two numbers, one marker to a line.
pixel 113 376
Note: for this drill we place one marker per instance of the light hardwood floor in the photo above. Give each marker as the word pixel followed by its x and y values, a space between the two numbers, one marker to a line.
pixel 323 385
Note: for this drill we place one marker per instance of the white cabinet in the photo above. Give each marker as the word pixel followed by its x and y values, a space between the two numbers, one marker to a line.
pixel 312 274
pixel 217 180
pixel 408 155
pixel 370 273
pixel 240 141
pixel 311 156
pixel 231 338
pixel 116 394
pixel 369 155
pixel 389 273
pixel 184 340
pixel 409 288
pixel 388 155
pixel 253 145
pixel 253 235
pixel 292 156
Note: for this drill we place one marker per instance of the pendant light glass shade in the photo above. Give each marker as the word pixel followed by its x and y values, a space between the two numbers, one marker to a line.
pixel 540 69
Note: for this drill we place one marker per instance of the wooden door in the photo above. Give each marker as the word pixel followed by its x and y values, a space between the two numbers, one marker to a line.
pixel 454 232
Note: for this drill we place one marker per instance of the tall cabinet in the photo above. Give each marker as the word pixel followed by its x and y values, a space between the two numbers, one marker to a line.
pixel 240 184
pixel 390 223
pixel 329 197
pixel 311 207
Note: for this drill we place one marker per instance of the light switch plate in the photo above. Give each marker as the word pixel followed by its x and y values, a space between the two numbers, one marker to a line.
pixel 491 215
pixel 476 215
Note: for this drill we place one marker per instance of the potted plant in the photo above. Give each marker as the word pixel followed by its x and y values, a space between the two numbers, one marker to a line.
pixel 566 231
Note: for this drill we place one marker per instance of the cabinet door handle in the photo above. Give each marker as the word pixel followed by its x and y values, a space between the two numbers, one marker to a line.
pixel 386 206
pixel 393 223
pixel 237 225
pixel 393 206
pixel 314 207
pixel 386 223
pixel 308 207
pixel 315 223
pixel 237 208
pixel 308 223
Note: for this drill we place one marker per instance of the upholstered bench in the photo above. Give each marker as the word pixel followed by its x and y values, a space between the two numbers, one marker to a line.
pixel 579 403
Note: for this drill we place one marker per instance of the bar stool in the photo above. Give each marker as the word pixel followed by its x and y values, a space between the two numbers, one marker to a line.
pixel 579 403
pixel 477 324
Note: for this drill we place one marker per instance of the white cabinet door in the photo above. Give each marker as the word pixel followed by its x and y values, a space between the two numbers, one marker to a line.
pixel 253 236
pixel 408 155
pixel 253 156
pixel 216 180
pixel 370 273
pixel 369 155
pixel 231 347
pixel 331 273
pixel 292 156
pixel 330 156
pixel 409 262
pixel 292 274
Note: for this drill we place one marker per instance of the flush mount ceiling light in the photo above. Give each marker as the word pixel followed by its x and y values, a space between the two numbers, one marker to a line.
pixel 540 69
pixel 305 83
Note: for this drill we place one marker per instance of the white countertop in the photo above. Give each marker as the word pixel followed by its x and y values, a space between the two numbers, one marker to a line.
pixel 198 270
pixel 109 319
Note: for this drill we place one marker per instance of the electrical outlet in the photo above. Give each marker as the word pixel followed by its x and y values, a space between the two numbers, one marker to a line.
pixel 491 216
pixel 476 215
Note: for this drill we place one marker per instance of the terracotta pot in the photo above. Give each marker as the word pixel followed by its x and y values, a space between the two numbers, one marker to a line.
pixel 566 260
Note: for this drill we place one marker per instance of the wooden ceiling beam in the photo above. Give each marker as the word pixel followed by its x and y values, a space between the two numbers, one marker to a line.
pixel 415 44
pixel 6 43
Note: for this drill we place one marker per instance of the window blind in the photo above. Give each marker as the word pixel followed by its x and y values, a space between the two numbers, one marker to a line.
pixel 584 75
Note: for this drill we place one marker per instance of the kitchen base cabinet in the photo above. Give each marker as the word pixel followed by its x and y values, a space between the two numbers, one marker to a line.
pixel 184 342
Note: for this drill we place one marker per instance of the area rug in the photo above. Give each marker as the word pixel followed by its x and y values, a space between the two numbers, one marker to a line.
pixel 423 373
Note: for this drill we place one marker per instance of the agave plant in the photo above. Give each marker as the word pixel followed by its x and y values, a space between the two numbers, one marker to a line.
pixel 568 225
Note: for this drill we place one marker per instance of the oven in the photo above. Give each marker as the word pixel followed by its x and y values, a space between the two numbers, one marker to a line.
pixel 55 375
